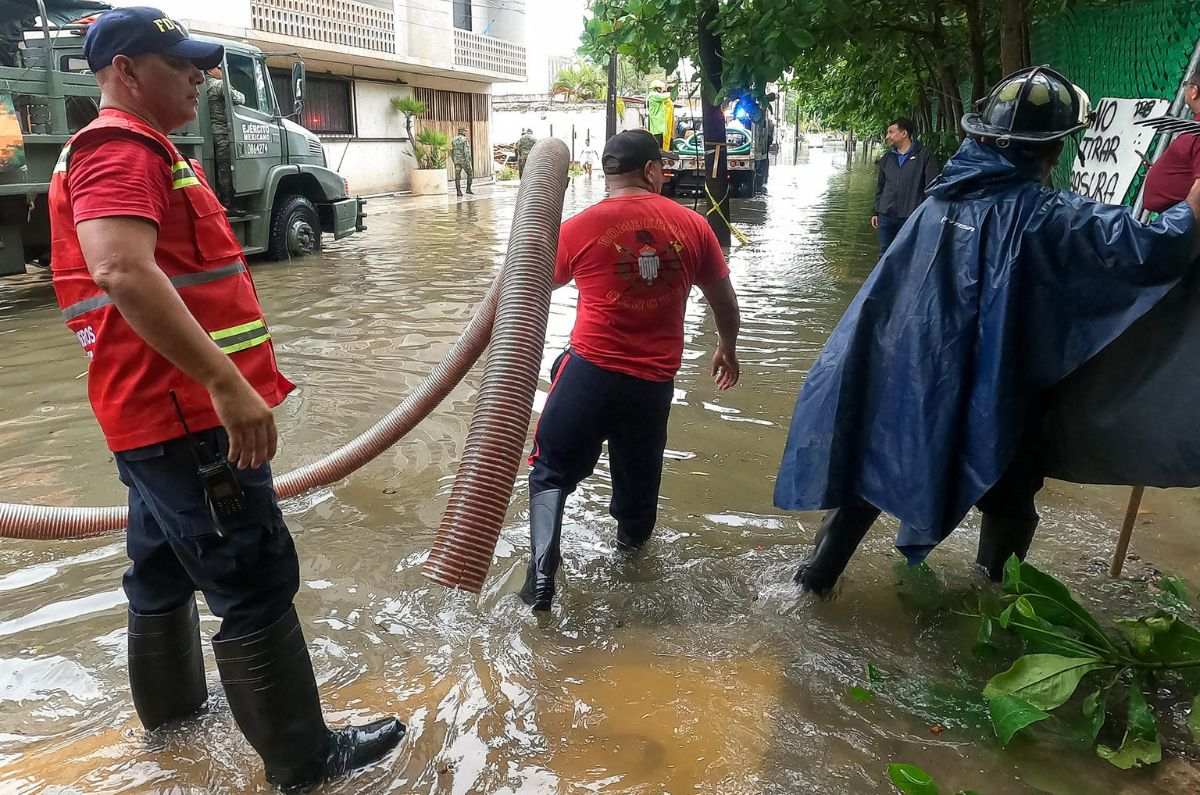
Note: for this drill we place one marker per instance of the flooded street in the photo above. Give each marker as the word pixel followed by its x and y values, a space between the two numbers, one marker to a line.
pixel 694 668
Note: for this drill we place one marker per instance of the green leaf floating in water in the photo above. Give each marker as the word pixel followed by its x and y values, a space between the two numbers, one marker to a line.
pixel 1052 601
pixel 1140 745
pixel 1045 681
pixel 911 780
pixel 862 694
pixel 1093 710
pixel 1012 713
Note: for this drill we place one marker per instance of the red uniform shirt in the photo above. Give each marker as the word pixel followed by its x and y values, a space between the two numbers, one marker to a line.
pixel 1172 175
pixel 120 166
pixel 634 260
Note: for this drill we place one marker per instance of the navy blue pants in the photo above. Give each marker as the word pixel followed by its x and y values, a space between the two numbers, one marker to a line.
pixel 248 578
pixel 889 227
pixel 587 406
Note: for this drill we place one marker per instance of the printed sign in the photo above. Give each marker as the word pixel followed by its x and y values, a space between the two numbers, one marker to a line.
pixel 253 150
pixel 1113 148
pixel 256 132
pixel 12 143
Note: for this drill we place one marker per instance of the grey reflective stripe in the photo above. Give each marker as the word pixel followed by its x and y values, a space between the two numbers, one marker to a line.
pixel 183 280
pixel 203 277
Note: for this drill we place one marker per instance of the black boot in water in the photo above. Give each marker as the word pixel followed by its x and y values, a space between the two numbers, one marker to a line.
pixel 1001 537
pixel 545 539
pixel 272 693
pixel 166 665
pixel 842 530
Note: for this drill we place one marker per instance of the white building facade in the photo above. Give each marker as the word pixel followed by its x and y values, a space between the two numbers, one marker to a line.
pixel 360 54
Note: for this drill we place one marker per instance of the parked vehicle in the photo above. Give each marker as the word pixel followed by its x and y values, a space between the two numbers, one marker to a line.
pixel 285 196
pixel 687 174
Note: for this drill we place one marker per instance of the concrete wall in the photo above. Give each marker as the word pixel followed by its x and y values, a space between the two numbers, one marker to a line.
pixel 508 120
pixel 379 158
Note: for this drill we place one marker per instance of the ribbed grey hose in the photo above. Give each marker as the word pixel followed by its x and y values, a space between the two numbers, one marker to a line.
pixel 466 540
pixel 50 523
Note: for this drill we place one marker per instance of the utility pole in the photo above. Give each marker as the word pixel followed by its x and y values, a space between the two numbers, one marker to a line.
pixel 716 161
pixel 610 123
pixel 796 139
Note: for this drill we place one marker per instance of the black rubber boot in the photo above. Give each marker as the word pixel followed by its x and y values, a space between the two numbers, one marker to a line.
pixel 842 530
pixel 1001 537
pixel 166 665
pixel 545 539
pixel 272 693
pixel 632 536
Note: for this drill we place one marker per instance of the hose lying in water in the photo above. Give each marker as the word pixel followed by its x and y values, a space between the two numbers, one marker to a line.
pixel 537 209
pixel 466 539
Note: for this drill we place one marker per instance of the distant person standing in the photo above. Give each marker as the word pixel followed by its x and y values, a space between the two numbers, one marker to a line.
pixel 904 171
pixel 660 112
pixel 524 147
pixel 587 158
pixel 460 153
pixel 1171 177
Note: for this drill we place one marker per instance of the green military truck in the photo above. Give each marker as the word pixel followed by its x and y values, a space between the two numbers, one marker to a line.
pixel 285 195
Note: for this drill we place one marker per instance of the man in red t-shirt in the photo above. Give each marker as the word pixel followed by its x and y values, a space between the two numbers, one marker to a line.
pixel 634 258
pixel 1173 174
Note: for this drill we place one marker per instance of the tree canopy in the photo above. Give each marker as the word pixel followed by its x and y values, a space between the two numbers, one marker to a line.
pixel 856 64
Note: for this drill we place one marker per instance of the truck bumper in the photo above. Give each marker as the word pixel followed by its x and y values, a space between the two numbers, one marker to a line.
pixel 347 217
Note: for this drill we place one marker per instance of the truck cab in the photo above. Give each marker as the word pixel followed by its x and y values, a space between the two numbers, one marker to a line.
pixel 284 196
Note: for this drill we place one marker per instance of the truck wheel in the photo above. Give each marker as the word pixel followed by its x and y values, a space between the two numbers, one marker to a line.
pixel 295 229
pixel 743 186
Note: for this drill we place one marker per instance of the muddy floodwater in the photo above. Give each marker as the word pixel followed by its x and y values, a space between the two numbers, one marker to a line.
pixel 695 668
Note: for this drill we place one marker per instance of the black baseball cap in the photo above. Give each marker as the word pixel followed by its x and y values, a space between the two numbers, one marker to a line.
pixel 631 150
pixel 140 30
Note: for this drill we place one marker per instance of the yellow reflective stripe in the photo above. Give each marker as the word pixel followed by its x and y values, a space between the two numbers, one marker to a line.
pixel 184 176
pixel 239 338
pixel 235 330
pixel 241 346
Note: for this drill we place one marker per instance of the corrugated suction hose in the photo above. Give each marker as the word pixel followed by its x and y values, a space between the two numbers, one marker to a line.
pixel 515 352
pixel 466 540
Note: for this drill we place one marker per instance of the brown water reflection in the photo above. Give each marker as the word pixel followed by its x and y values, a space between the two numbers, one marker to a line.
pixel 695 668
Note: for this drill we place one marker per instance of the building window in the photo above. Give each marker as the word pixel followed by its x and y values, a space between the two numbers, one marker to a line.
pixel 462 14
pixel 327 105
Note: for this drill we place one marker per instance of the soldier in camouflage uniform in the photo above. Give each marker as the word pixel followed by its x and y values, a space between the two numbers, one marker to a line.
pixel 460 154
pixel 215 89
pixel 524 146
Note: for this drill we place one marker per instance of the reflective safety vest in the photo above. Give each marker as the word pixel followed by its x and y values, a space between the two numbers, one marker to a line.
pixel 129 383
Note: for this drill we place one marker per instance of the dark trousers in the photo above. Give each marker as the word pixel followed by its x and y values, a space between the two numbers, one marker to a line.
pixel 588 405
pixel 1012 497
pixel 459 168
pixel 889 227
pixel 248 578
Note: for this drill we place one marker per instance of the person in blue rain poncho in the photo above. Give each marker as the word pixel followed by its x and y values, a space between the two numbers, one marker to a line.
pixel 927 397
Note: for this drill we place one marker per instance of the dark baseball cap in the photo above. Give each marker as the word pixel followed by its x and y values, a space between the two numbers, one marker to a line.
pixel 140 31
pixel 631 150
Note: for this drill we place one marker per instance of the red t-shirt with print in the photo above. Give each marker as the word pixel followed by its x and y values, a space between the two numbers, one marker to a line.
pixel 634 259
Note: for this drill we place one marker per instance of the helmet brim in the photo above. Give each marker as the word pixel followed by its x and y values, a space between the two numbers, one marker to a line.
pixel 973 124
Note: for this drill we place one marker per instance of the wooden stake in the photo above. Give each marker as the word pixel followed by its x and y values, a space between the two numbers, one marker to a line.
pixel 1131 512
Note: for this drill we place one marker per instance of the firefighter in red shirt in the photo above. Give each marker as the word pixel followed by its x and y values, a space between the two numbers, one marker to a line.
pixel 1172 175
pixel 182 378
pixel 634 258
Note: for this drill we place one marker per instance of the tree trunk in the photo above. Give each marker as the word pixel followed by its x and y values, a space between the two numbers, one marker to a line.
pixel 1014 35
pixel 716 161
pixel 977 44
pixel 610 120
